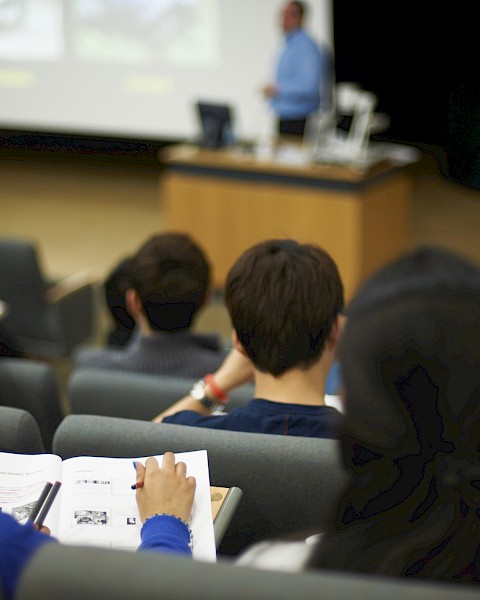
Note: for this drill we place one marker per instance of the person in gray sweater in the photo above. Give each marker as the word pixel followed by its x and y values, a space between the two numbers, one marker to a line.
pixel 169 284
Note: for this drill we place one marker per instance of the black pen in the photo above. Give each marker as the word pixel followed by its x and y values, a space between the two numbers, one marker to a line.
pixel 39 503
pixel 48 504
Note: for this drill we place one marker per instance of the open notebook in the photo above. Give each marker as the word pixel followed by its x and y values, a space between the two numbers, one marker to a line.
pixel 96 505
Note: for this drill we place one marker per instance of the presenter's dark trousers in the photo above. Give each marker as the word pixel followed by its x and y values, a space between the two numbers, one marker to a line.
pixel 291 127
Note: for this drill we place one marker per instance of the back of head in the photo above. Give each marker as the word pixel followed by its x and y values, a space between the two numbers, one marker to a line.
pixel 410 355
pixel 172 276
pixel 283 298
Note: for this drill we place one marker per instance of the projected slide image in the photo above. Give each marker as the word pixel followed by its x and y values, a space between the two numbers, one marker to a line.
pixel 143 32
pixel 31 30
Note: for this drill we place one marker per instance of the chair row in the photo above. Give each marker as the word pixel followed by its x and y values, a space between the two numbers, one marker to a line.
pixel 133 395
pixel 270 470
pixel 77 573
pixel 32 386
pixel 289 484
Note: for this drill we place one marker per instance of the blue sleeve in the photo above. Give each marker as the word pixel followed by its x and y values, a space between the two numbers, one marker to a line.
pixel 190 417
pixel 165 533
pixel 18 543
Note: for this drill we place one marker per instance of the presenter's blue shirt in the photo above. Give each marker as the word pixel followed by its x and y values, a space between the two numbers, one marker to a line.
pixel 265 416
pixel 304 77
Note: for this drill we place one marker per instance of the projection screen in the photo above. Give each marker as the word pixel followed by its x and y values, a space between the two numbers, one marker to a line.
pixel 136 68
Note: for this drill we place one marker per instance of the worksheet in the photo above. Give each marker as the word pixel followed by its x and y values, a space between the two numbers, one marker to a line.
pixel 96 504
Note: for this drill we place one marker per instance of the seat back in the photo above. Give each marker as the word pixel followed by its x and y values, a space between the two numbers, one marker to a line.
pixel 23 288
pixel 132 395
pixel 289 484
pixel 77 573
pixel 19 432
pixel 42 318
pixel 32 386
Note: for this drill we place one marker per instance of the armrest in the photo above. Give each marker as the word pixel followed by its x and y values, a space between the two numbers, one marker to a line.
pixel 69 285
pixel 224 505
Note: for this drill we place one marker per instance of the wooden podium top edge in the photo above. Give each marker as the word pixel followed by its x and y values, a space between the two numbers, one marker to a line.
pixel 234 159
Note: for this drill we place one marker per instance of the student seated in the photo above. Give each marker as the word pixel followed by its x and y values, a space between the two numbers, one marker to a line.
pixel 164 503
pixel 410 356
pixel 285 301
pixel 169 284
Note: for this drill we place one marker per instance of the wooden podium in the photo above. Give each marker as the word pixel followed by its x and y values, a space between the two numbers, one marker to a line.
pixel 228 200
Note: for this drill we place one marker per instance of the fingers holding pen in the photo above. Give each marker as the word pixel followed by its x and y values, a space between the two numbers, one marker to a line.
pixel 166 489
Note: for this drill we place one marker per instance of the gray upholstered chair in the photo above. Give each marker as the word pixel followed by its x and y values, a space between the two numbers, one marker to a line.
pixel 289 484
pixel 32 386
pixel 43 318
pixel 77 573
pixel 132 395
pixel 19 432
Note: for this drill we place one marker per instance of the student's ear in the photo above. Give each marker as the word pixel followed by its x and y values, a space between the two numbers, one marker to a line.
pixel 237 344
pixel 133 303
pixel 336 331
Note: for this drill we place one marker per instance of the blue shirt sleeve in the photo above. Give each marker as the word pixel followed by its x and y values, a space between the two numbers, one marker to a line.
pixel 165 533
pixel 195 419
pixel 18 544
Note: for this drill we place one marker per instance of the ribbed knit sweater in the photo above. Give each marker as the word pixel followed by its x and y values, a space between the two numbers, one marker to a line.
pixel 179 354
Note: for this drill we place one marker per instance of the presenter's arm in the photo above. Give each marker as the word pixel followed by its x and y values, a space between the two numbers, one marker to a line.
pixel 235 370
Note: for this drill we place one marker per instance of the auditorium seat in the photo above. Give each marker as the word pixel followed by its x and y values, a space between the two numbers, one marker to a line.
pixel 77 573
pixel 32 386
pixel 43 318
pixel 132 395
pixel 289 484
pixel 19 432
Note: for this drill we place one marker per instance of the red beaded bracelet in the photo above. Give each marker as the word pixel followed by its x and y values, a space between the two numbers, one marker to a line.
pixel 220 396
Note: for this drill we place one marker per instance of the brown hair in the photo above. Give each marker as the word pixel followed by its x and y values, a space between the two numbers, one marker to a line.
pixel 171 274
pixel 283 298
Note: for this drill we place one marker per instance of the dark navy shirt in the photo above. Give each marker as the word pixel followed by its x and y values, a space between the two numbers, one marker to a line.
pixel 265 416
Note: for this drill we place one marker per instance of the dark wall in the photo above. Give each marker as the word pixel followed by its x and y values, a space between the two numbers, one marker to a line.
pixel 419 59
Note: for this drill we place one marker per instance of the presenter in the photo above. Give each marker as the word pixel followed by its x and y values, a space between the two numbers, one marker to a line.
pixel 304 74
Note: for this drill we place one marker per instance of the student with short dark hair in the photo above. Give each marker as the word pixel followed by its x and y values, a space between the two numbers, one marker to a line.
pixel 169 283
pixel 410 437
pixel 285 301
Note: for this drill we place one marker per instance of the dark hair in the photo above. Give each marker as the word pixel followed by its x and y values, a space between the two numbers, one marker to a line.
pixel 301 7
pixel 410 355
pixel 283 298
pixel 171 274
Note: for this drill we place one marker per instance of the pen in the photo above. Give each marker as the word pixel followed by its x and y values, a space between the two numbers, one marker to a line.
pixel 39 503
pixel 137 485
pixel 48 504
